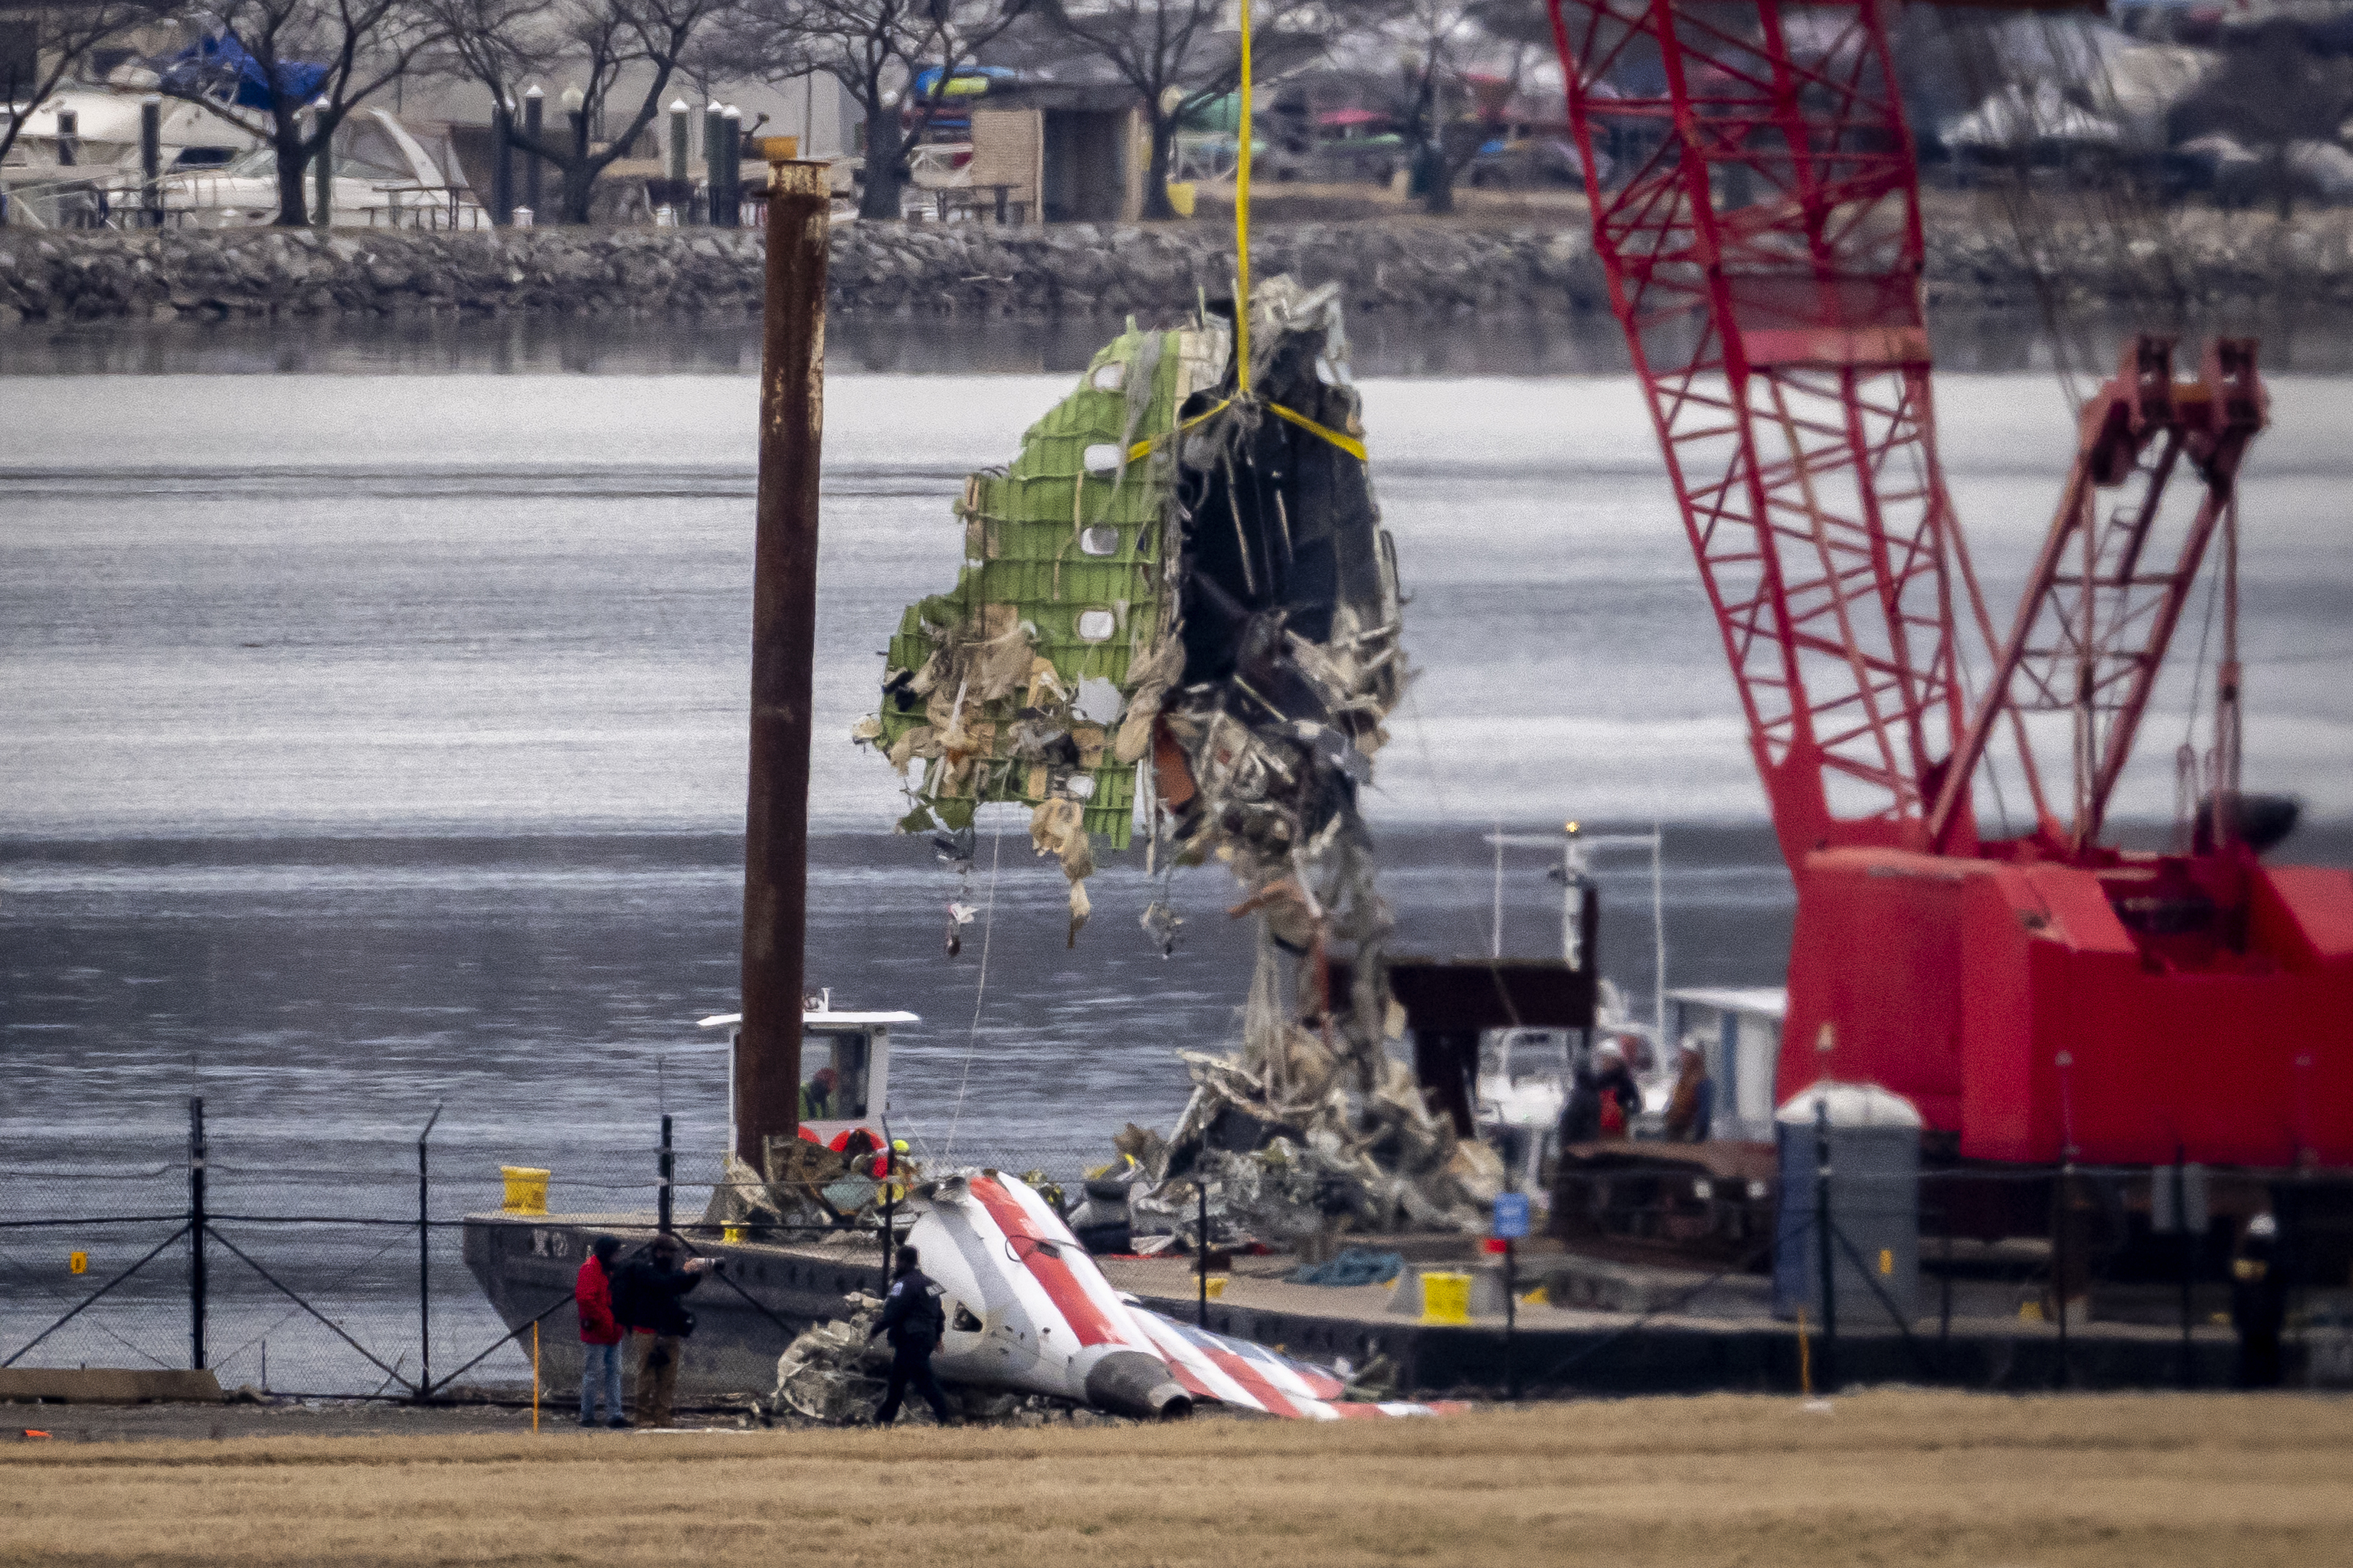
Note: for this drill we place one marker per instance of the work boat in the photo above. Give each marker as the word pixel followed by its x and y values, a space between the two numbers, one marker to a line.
pixel 846 1068
pixel 1526 1071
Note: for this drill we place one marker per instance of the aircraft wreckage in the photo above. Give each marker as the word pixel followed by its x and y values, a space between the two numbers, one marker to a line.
pixel 1178 611
pixel 1028 1312
pixel 1178 614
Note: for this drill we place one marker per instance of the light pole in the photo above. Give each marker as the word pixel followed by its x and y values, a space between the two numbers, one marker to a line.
pixel 323 167
pixel 502 163
pixel 533 122
pixel 714 132
pixel 731 135
pixel 151 160
pixel 576 104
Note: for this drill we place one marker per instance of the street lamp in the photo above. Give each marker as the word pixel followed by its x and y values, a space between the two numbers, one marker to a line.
pixel 323 167
pixel 533 119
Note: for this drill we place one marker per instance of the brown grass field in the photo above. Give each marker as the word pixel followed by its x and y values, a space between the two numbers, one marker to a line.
pixel 1893 1477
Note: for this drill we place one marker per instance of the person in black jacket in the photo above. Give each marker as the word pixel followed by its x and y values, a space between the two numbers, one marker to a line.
pixel 647 1299
pixel 1603 1076
pixel 914 1319
pixel 2259 1303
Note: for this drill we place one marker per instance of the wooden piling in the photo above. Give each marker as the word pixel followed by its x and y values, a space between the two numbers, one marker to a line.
pixel 784 642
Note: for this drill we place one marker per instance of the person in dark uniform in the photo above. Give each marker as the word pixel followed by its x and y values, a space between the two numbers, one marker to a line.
pixel 914 1319
pixel 2259 1303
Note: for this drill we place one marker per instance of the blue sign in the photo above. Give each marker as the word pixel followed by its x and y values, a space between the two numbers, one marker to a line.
pixel 1512 1216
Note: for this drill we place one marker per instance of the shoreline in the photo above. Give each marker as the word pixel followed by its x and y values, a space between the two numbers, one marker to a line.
pixel 2211 264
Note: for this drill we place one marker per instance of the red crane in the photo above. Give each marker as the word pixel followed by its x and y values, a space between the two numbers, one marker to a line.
pixel 2039 993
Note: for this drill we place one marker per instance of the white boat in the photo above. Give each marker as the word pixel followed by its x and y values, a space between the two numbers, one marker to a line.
pixel 76 165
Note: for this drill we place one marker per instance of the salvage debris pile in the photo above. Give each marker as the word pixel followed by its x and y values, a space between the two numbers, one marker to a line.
pixel 1178 607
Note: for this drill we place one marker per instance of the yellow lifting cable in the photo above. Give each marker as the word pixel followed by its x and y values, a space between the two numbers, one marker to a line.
pixel 1241 220
pixel 1346 443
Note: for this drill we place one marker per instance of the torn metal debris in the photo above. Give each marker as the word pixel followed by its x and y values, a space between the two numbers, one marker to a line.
pixel 1030 1316
pixel 1178 607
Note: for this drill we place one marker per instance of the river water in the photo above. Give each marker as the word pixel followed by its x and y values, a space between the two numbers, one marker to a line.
pixel 374 739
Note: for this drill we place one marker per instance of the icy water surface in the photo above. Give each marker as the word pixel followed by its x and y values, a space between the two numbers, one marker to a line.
pixel 375 740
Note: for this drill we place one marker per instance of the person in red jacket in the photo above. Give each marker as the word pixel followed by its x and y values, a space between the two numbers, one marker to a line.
pixel 600 1334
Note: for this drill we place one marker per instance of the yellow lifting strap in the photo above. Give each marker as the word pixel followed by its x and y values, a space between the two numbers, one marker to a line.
pixel 1141 448
pixel 1345 442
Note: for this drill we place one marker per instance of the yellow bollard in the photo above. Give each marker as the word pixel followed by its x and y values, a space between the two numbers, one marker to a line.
pixel 526 1190
pixel 1217 1286
pixel 1446 1297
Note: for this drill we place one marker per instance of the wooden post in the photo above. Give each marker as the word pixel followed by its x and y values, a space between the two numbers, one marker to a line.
pixel 784 642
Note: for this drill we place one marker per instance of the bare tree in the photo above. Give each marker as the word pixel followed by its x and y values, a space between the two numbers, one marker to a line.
pixel 1437 39
pixel 1179 59
pixel 876 49
pixel 291 71
pixel 53 38
pixel 591 45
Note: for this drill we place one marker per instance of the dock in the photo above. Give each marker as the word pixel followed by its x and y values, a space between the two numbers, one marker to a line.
pixel 771 1290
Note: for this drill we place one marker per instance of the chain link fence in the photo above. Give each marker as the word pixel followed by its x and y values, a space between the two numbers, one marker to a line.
pixel 336 1267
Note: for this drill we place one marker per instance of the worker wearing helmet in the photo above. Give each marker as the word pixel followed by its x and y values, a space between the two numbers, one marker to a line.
pixel 2259 1302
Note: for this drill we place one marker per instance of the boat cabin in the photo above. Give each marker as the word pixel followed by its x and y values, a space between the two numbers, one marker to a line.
pixel 845 1068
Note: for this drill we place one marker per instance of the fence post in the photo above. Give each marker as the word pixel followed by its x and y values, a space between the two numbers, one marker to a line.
pixel 1824 1257
pixel 668 1166
pixel 888 1207
pixel 1201 1252
pixel 2062 1218
pixel 2188 1259
pixel 196 1231
pixel 425 1259
pixel 1511 1318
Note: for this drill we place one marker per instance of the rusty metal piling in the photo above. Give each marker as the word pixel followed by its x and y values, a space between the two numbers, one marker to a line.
pixel 784 640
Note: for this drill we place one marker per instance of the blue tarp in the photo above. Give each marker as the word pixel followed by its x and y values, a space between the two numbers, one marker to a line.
pixel 1358 1266
pixel 213 63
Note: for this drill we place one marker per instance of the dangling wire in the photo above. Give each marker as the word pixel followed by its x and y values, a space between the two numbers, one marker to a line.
pixel 979 989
